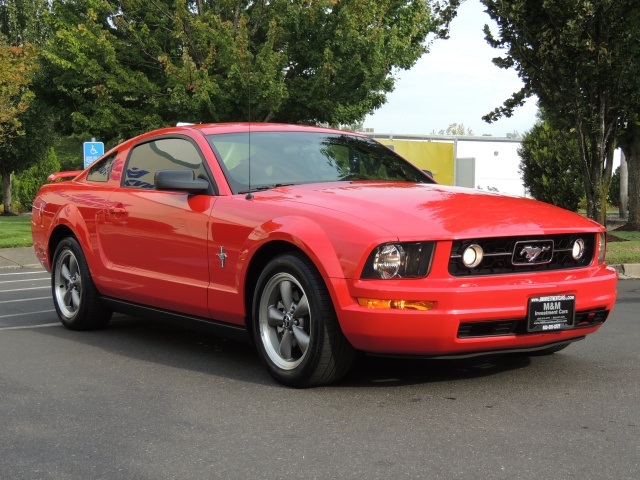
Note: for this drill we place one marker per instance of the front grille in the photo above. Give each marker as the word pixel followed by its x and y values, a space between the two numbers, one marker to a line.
pixel 504 255
pixel 496 328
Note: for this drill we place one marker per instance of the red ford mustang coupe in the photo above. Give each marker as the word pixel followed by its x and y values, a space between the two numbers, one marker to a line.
pixel 315 243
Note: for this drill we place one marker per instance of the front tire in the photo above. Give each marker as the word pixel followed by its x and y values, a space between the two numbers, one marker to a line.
pixel 295 326
pixel 75 297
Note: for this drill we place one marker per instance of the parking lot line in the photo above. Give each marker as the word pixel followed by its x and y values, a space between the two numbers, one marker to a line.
pixel 27 280
pixel 25 313
pixel 24 289
pixel 25 327
pixel 23 273
pixel 25 299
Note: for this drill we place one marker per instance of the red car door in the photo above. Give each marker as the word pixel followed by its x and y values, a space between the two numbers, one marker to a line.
pixel 155 243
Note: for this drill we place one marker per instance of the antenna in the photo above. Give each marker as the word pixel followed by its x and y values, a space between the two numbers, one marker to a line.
pixel 249 194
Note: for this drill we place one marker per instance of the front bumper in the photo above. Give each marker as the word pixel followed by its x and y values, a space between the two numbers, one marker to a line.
pixel 454 326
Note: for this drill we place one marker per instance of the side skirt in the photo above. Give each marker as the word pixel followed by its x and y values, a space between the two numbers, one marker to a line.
pixel 205 325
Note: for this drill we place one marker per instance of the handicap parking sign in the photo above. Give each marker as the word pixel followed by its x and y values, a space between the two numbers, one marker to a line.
pixel 92 152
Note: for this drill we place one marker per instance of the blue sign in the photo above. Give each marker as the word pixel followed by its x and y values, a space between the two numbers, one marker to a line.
pixel 92 152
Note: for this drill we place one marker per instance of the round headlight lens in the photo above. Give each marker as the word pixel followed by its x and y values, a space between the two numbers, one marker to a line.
pixel 472 256
pixel 578 249
pixel 388 261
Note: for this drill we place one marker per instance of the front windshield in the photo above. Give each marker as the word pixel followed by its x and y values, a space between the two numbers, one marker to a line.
pixel 291 158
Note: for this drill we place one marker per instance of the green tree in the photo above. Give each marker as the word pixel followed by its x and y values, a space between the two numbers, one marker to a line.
pixel 550 166
pixel 114 69
pixel 17 65
pixel 580 57
pixel 21 32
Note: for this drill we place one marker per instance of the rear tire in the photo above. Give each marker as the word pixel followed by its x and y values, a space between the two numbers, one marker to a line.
pixel 75 296
pixel 295 327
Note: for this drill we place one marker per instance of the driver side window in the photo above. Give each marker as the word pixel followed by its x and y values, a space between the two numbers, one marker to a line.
pixel 161 154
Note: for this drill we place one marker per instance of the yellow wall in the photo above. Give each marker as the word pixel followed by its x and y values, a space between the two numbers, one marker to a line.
pixel 438 157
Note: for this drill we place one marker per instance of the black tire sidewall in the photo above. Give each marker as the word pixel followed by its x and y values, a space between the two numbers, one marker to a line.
pixel 77 322
pixel 308 279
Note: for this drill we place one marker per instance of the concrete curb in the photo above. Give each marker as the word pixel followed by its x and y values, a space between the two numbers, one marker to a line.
pixel 628 270
pixel 21 257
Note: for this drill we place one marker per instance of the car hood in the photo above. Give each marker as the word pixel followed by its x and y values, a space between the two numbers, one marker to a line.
pixel 410 210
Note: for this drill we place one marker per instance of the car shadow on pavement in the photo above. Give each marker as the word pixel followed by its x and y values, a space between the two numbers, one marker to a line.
pixel 384 371
pixel 172 346
pixel 166 344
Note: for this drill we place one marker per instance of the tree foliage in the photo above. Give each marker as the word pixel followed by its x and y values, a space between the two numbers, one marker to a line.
pixel 116 68
pixel 581 58
pixel 20 33
pixel 550 166
pixel 17 66
pixel 456 129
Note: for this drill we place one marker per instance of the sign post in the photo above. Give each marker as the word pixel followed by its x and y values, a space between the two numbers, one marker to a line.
pixel 92 151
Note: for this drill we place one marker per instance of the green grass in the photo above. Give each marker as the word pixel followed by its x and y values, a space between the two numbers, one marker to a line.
pixel 15 231
pixel 624 252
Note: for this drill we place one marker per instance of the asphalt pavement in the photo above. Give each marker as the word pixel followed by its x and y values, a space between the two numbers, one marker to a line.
pixel 25 257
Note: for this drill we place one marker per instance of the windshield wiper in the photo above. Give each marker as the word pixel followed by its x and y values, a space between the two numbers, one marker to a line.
pixel 267 187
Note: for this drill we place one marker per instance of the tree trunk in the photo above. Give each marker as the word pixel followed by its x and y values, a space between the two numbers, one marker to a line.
pixel 624 186
pixel 633 165
pixel 6 192
pixel 591 175
pixel 597 144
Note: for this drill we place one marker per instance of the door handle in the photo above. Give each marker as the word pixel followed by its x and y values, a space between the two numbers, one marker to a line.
pixel 116 210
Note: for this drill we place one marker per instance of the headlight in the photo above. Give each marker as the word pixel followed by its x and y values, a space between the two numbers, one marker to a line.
pixel 578 249
pixel 472 256
pixel 602 247
pixel 399 260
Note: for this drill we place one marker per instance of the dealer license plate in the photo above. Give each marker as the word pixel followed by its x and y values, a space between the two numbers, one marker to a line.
pixel 551 313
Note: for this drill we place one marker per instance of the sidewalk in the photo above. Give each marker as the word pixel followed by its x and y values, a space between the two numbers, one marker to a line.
pixel 22 257
pixel 25 257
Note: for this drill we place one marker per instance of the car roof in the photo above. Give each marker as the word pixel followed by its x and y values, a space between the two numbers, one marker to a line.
pixel 242 127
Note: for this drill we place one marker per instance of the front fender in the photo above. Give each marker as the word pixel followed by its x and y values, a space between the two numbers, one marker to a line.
pixel 336 248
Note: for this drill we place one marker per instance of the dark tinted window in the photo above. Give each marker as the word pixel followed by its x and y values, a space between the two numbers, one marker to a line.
pixel 163 154
pixel 286 158
pixel 101 171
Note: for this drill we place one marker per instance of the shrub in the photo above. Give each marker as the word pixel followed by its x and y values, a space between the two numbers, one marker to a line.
pixel 550 166
pixel 27 183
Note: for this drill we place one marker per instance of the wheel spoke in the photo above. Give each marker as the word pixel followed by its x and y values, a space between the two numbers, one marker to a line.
pixel 301 337
pixel 302 309
pixel 286 292
pixel 73 265
pixel 275 317
pixel 75 299
pixel 285 345
pixel 67 298
pixel 64 272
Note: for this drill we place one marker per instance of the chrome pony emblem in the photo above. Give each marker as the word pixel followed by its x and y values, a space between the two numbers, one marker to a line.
pixel 222 256
pixel 532 252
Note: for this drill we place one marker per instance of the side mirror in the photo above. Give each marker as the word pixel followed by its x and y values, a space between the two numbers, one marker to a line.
pixel 181 180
